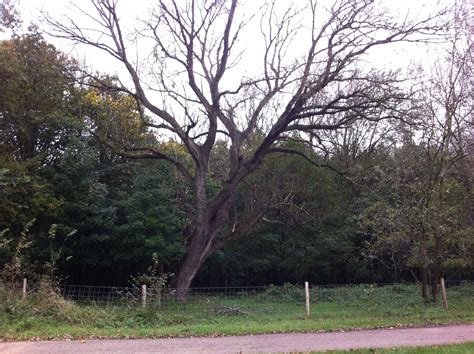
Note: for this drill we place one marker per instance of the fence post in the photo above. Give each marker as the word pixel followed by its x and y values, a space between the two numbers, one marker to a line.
pixel 443 292
pixel 23 295
pixel 306 288
pixel 144 295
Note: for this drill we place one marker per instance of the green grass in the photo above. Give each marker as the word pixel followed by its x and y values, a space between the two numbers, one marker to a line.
pixel 444 349
pixel 48 316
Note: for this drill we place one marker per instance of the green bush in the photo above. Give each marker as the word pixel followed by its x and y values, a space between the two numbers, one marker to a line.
pixel 287 292
pixel 367 293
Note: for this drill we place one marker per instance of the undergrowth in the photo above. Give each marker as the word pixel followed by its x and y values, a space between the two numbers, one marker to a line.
pixel 45 314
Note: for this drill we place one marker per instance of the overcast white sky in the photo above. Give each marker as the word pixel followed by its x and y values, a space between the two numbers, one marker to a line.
pixel 130 10
pixel 394 56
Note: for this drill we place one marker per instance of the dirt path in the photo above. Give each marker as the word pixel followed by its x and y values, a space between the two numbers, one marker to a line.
pixel 290 342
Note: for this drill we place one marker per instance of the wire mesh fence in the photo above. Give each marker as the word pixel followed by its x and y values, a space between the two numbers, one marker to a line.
pixel 234 310
pixel 93 294
pixel 379 291
pixel 286 299
pixel 103 294
pixel 225 300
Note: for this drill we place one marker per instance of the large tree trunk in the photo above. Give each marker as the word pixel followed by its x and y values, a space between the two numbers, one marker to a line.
pixel 423 256
pixel 438 268
pixel 196 253
pixel 207 221
pixel 424 281
pixel 435 285
pixel 424 270
pixel 197 238
pixel 185 276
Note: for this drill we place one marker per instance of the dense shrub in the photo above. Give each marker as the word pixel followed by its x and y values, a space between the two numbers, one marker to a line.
pixel 286 292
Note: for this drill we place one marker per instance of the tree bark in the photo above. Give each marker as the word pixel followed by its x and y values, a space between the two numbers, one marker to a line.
pixel 424 281
pixel 435 285
pixel 190 265
pixel 424 271
pixel 438 270
pixel 201 244
pixel 197 239
pixel 207 222
pixel 423 255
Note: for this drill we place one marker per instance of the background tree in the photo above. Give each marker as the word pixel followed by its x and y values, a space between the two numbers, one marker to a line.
pixel 9 15
pixel 428 213
pixel 36 122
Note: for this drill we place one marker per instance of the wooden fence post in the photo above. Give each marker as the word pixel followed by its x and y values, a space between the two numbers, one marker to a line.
pixel 23 295
pixel 443 292
pixel 306 288
pixel 144 295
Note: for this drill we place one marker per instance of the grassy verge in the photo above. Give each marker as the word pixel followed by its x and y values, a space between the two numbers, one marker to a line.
pixel 438 349
pixel 47 316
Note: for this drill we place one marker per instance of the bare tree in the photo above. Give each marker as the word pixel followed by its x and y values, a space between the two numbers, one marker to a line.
pixel 447 102
pixel 203 97
pixel 427 220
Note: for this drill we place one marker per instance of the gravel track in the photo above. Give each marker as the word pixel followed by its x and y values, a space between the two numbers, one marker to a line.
pixel 289 342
